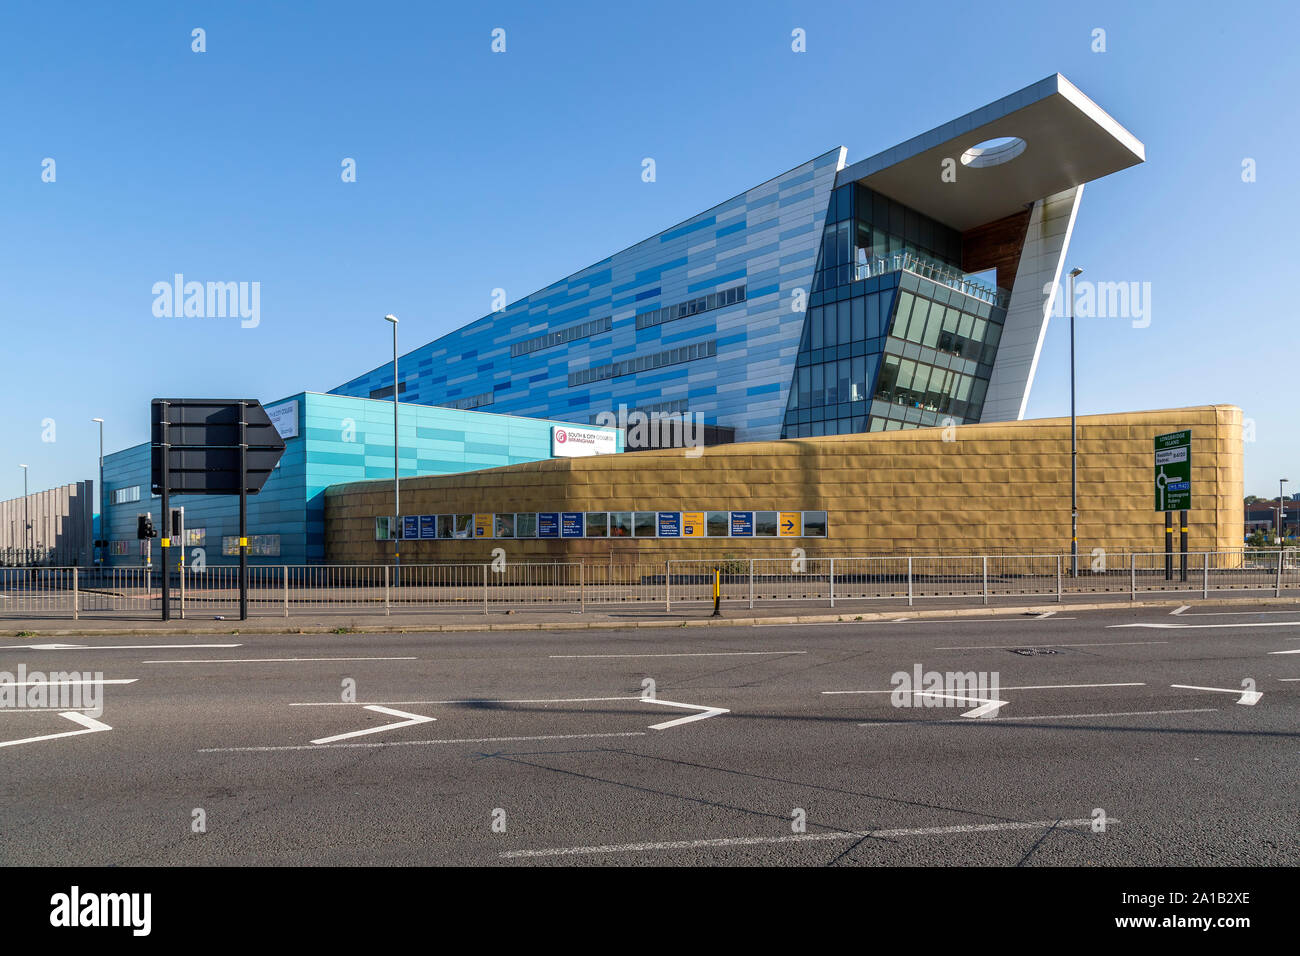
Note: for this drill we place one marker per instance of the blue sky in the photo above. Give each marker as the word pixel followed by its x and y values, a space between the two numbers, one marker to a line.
pixel 478 170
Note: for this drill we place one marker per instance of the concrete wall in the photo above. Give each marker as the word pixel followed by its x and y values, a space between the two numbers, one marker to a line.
pixel 998 487
pixel 62 526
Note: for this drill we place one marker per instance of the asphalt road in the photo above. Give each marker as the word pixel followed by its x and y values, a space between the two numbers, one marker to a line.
pixel 537 748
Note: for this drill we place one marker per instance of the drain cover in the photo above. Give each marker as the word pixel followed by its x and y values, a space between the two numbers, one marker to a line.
pixel 1034 651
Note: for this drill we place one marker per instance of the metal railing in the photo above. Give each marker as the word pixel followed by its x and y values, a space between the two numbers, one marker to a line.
pixel 908 261
pixel 284 590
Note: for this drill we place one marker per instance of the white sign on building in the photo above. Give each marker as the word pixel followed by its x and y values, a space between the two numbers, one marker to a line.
pixel 285 418
pixel 568 441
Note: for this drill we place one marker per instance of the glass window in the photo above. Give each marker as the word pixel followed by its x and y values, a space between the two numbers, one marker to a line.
pixel 818 390
pixel 765 524
pixel 597 524
pixel 525 524
pixel 905 300
pixel 965 326
pixel 815 324
pixel 845 395
pixel 828 325
pixel 446 526
pixel 920 312
pixel 844 332
pixel 644 524
pixel 859 330
pixel 906 370
pixel 504 525
pixel 814 524
pixel 930 337
pixel 194 537
pixel 620 524
pixel 805 388
pixel 888 377
pixel 858 387
pixel 717 524
pixel 464 526
pixel 383 531
pixel 873 315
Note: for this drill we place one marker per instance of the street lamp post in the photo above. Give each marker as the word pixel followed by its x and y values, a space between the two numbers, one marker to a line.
pixel 27 522
pixel 103 512
pixel 396 532
pixel 1281 514
pixel 1074 446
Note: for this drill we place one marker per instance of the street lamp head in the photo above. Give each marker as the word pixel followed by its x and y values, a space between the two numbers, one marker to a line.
pixel 22 466
pixel 100 420
pixel 1075 273
pixel 391 318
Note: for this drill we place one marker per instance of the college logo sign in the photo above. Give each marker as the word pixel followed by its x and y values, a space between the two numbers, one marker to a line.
pixel 569 442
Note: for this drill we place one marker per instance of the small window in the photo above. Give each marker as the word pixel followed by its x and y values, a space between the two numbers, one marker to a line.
pixel 620 524
pixel 194 537
pixel 464 527
pixel 504 526
pixel 526 524
pixel 765 524
pixel 383 532
pixel 814 524
pixel 445 525
pixel 597 524
pixel 645 524
pixel 717 524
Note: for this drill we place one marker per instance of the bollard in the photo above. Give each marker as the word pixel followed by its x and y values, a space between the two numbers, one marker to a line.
pixel 717 593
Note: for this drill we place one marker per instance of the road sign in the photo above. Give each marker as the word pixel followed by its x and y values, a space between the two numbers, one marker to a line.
pixel 1173 471
pixel 203 435
pixel 789 524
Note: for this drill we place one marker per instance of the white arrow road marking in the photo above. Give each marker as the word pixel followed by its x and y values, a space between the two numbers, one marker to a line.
pixel 1180 626
pixel 413 720
pixel 987 706
pixel 1296 651
pixel 707 712
pixel 90 724
pixel 1248 697
pixel 1179 610
pixel 1045 615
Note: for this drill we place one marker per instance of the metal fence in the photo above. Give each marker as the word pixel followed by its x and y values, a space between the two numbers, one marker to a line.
pixel 283 590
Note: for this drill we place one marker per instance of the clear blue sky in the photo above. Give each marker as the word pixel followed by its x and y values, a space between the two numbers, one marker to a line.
pixel 478 170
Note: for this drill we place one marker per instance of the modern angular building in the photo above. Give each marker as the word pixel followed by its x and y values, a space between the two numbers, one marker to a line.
pixel 911 288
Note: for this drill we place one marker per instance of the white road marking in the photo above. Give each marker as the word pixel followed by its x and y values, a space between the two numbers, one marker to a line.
pixel 61 683
pixel 111 647
pixel 419 743
pixel 988 705
pixel 911 620
pixel 1000 689
pixel 1000 720
pixel 707 712
pixel 1254 624
pixel 472 700
pixel 1179 610
pixel 564 657
pixel 276 660
pixel 1045 615
pixel 1003 647
pixel 795 838
pixel 90 724
pixel 1248 697
pixel 1236 613
pixel 1296 651
pixel 414 719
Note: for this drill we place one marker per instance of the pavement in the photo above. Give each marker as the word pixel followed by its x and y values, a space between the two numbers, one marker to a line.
pixel 1116 736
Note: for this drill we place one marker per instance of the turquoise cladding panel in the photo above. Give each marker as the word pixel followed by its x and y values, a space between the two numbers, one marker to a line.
pixel 340 439
pixel 766 238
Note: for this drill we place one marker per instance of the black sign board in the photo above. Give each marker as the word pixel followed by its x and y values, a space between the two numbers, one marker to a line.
pixel 204 437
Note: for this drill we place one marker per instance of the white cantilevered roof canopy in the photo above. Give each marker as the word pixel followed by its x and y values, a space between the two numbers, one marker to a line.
pixel 1069 140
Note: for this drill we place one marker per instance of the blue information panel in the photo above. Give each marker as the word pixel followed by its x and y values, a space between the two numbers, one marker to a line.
pixel 742 524
pixel 571 524
pixel 428 526
pixel 548 524
pixel 410 526
pixel 670 524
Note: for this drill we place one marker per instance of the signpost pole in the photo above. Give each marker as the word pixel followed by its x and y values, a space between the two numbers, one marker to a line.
pixel 243 512
pixel 1182 544
pixel 166 521
pixel 1169 545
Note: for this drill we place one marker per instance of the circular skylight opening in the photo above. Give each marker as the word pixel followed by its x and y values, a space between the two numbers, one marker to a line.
pixel 993 152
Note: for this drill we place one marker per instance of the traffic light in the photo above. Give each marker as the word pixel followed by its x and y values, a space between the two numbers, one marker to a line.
pixel 144 527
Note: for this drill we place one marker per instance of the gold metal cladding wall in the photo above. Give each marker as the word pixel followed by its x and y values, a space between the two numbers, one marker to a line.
pixel 995 488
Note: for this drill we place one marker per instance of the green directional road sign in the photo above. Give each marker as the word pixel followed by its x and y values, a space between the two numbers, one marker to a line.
pixel 1173 471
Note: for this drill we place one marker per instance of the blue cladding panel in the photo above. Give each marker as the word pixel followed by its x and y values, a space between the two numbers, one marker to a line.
pixel 767 238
